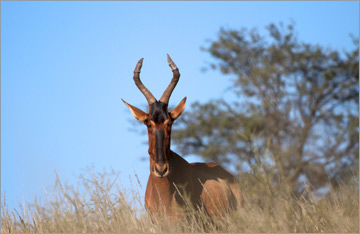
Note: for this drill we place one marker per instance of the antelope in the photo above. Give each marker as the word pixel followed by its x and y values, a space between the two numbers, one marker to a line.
pixel 208 185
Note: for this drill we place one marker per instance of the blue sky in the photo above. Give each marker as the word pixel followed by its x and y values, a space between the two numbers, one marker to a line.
pixel 66 65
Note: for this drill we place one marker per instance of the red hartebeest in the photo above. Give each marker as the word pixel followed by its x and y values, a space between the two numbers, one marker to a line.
pixel 171 177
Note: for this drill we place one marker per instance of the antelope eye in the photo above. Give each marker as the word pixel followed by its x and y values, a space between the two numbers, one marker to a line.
pixel 148 124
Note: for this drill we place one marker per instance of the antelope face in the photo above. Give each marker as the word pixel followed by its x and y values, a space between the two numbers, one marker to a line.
pixel 158 122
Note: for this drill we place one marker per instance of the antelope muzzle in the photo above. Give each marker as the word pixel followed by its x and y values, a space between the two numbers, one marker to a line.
pixel 161 169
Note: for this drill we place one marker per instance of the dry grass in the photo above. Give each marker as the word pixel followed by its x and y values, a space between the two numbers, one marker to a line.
pixel 98 204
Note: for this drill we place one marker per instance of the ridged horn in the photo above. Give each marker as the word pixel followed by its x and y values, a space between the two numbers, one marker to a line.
pixel 148 95
pixel 176 75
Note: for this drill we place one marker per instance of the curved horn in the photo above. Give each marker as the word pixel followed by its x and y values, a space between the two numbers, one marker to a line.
pixel 149 97
pixel 176 75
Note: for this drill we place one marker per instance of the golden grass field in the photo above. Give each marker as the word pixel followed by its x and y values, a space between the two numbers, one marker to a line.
pixel 99 204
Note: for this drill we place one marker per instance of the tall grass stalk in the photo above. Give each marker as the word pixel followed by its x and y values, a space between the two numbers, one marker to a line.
pixel 99 204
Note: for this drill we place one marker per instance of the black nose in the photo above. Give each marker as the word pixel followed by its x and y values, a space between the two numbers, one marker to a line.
pixel 161 173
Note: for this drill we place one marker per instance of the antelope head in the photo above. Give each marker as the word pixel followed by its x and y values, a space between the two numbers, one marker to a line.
pixel 158 121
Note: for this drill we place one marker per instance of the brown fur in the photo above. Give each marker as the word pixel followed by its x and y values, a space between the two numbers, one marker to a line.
pixel 206 184
pixel 172 179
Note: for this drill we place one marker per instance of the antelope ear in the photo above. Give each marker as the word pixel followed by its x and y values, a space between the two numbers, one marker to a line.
pixel 137 113
pixel 178 110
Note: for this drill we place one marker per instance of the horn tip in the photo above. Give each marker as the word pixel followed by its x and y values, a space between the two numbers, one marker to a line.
pixel 139 65
pixel 171 63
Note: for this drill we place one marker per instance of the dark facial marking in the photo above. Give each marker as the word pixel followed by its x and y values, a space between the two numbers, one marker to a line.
pixel 158 112
pixel 159 145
